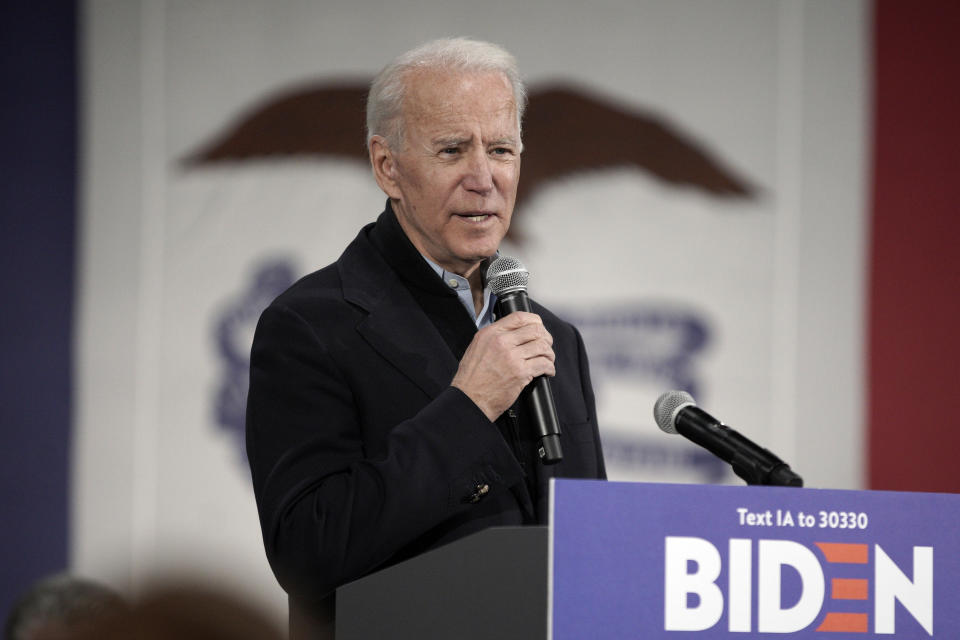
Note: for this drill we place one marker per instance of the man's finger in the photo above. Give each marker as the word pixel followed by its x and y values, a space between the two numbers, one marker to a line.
pixel 517 319
pixel 527 333
pixel 542 366
pixel 536 349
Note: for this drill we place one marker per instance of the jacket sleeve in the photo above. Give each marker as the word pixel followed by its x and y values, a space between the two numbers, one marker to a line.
pixel 587 389
pixel 328 512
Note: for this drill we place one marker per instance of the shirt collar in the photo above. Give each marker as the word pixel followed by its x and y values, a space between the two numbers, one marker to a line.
pixel 461 286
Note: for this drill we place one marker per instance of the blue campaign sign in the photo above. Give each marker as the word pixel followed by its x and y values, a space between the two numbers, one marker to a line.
pixel 637 560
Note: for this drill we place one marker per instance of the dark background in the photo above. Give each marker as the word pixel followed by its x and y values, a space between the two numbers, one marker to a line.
pixel 38 204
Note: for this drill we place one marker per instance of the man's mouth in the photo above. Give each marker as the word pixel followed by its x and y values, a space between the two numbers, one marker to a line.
pixel 475 217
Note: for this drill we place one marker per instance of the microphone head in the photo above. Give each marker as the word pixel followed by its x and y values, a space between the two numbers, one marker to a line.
pixel 507 274
pixel 667 407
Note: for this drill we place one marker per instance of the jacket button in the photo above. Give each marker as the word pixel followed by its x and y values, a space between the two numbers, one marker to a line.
pixel 479 491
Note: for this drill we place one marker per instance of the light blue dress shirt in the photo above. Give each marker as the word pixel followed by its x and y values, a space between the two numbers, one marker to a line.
pixel 462 287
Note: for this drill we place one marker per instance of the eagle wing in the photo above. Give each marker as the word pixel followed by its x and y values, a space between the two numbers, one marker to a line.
pixel 566 131
pixel 569 131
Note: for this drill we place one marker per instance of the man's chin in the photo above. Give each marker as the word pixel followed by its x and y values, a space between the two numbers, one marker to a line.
pixel 479 254
pixel 464 262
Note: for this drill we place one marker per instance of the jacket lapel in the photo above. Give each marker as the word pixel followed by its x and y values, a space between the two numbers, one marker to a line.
pixel 396 327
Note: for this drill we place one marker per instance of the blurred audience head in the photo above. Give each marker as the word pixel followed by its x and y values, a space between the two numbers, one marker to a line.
pixel 58 605
pixel 72 609
pixel 186 612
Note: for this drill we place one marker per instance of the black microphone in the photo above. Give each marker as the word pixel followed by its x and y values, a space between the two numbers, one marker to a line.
pixel 676 412
pixel 507 277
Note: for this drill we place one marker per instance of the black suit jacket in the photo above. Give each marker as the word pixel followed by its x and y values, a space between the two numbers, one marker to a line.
pixel 361 452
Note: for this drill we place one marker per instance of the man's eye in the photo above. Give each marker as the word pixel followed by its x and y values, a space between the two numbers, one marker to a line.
pixel 501 151
pixel 450 150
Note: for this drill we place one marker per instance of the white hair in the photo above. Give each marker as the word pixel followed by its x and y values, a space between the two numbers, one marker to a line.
pixel 385 100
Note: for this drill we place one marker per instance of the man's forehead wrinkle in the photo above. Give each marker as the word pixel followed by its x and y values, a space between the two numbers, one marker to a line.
pixel 434 111
pixel 457 138
pixel 450 140
pixel 462 129
pixel 440 89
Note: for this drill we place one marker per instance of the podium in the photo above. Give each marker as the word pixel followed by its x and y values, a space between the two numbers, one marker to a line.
pixel 638 560
pixel 492 584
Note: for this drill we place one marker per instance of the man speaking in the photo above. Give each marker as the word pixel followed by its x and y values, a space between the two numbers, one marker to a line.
pixel 384 414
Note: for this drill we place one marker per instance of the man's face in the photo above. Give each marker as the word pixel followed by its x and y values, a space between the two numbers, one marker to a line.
pixel 453 182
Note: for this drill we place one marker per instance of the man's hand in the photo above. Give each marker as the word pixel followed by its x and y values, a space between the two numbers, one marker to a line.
pixel 502 359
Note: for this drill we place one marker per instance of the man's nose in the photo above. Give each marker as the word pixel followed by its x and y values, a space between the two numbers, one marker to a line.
pixel 479 176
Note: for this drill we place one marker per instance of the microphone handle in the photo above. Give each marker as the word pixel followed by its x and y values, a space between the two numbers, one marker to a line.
pixel 537 394
pixel 751 462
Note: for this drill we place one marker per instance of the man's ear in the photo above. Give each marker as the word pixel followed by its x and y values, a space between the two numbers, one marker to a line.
pixel 384 166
